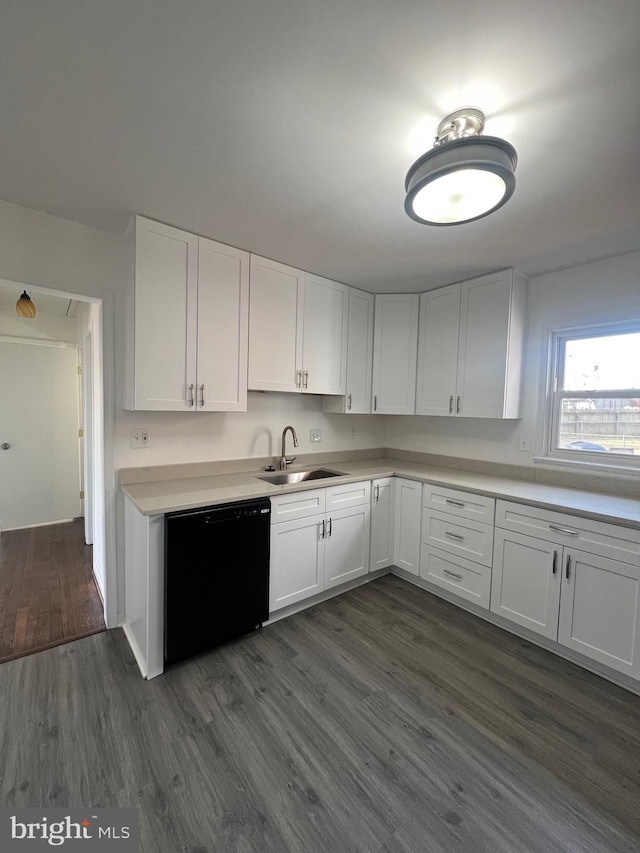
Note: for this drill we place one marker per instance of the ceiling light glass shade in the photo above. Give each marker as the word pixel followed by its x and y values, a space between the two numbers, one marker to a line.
pixel 25 307
pixel 461 180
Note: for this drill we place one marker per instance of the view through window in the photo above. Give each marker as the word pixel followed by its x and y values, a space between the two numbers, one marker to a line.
pixel 596 405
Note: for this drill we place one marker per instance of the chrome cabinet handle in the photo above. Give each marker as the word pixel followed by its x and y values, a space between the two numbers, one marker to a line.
pixel 451 404
pixel 454 503
pixel 322 529
pixel 452 574
pixel 329 528
pixel 454 536
pixel 554 565
pixel 567 567
pixel 190 399
pixel 349 402
pixel 377 493
pixel 305 379
pixel 375 403
pixel 458 404
pixel 298 378
pixel 202 396
pixel 559 529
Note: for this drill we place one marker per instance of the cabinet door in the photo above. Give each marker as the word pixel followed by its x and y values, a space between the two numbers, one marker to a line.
pixel 223 325
pixel 357 398
pixel 395 354
pixel 438 351
pixel 382 523
pixel 324 340
pixel 600 610
pixel 297 561
pixel 406 549
pixel 276 304
pixel 162 319
pixel 490 348
pixel 346 545
pixel 359 352
pixel 525 587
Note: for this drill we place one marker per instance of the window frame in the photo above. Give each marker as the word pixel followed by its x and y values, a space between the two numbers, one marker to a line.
pixel 555 394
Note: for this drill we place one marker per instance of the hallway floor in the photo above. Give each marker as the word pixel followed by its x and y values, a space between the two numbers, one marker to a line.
pixel 47 592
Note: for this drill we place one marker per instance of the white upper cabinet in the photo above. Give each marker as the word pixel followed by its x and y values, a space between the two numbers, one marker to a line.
pixel 438 351
pixel 324 339
pixel 471 348
pixel 186 335
pixel 276 305
pixel 357 397
pixel 297 330
pixel 395 353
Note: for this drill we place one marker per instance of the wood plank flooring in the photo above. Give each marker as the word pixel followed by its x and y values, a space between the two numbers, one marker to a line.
pixel 47 591
pixel 382 721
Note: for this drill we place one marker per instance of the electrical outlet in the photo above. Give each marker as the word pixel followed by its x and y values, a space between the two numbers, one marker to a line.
pixel 524 444
pixel 315 435
pixel 140 438
pixel 352 432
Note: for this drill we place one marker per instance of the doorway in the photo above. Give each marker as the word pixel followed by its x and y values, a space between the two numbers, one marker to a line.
pixel 52 582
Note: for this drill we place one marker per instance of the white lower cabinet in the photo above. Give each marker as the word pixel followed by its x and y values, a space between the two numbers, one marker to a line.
pixel 297 561
pixel 526 582
pixel 457 542
pixel 383 510
pixel 313 551
pixel 584 601
pixel 463 578
pixel 406 548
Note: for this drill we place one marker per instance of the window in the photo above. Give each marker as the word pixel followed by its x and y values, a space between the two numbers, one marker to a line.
pixel 595 396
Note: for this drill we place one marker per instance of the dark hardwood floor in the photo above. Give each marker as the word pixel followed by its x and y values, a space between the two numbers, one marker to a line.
pixel 382 721
pixel 47 591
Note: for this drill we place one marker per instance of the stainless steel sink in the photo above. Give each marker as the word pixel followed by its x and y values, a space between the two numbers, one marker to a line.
pixel 281 478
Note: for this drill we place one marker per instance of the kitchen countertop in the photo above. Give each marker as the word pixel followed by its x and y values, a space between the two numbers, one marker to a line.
pixel 162 496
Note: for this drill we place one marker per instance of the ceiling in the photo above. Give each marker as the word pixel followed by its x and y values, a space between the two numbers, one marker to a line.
pixel 287 127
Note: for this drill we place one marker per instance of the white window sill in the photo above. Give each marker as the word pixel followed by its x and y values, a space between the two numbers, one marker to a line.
pixel 616 469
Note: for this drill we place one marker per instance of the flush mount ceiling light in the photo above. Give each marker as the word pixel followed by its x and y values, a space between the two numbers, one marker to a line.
pixel 464 177
pixel 25 307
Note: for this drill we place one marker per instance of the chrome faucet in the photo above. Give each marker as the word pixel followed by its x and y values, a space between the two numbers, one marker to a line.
pixel 282 465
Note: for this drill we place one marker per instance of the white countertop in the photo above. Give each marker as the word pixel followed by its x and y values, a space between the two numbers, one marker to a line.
pixel 162 496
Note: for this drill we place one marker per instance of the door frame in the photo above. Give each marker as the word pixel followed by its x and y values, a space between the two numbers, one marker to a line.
pixel 101 438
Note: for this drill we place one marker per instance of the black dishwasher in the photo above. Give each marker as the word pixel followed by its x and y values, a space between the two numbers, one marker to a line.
pixel 216 575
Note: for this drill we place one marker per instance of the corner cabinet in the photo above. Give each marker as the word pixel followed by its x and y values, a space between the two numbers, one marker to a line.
pixel 471 348
pixel 297 330
pixel 395 353
pixel 187 322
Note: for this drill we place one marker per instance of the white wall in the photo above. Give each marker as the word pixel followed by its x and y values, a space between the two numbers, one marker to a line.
pixel 605 291
pixel 203 436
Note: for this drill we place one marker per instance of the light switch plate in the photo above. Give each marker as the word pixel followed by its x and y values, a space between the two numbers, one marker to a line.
pixel 315 435
pixel 524 444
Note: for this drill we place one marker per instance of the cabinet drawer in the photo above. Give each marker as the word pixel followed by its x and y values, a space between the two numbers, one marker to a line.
pixel 457 575
pixel 470 539
pixel 585 534
pixel 297 505
pixel 348 494
pixel 462 504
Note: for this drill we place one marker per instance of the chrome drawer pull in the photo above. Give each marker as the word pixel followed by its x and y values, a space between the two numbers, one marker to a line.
pixel 452 574
pixel 454 503
pixel 190 401
pixel 322 529
pixel 454 536
pixel 559 529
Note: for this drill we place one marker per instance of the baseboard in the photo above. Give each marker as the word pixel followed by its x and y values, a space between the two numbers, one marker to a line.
pixel 142 666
